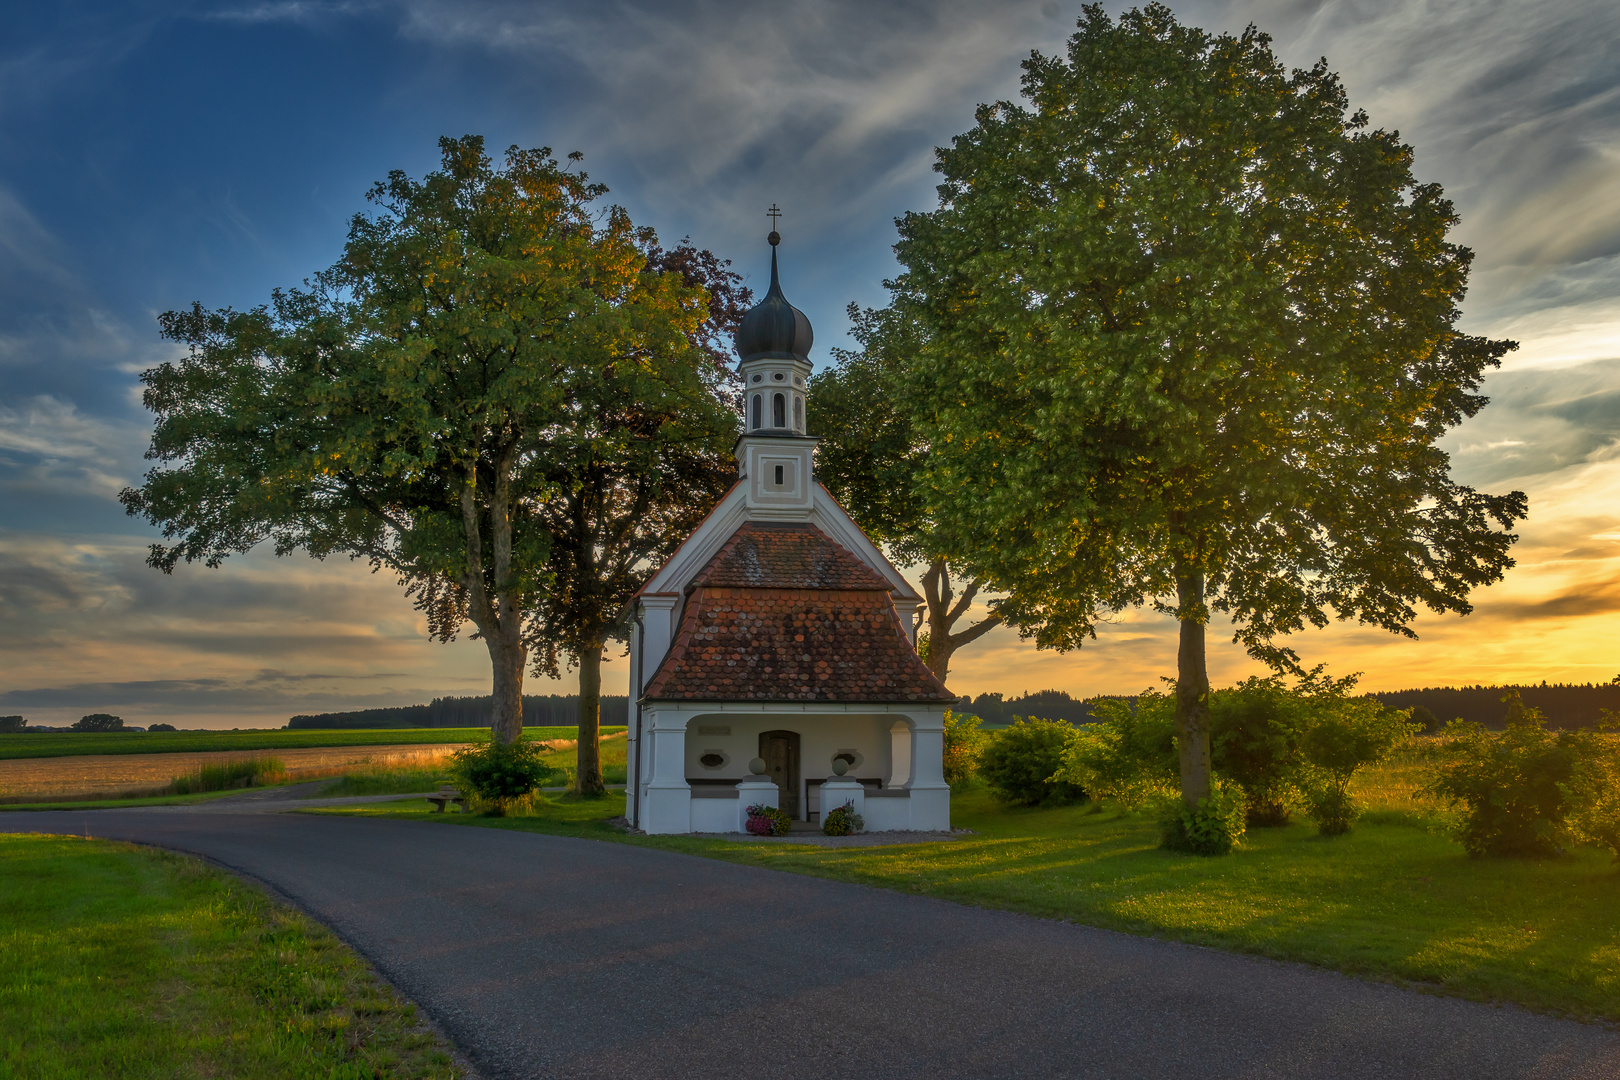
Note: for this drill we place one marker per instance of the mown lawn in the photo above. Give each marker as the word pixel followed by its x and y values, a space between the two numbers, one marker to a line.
pixel 116 804
pixel 1396 900
pixel 118 961
pixel 70 743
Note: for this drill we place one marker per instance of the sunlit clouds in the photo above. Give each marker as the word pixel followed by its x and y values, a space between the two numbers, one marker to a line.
pixel 148 159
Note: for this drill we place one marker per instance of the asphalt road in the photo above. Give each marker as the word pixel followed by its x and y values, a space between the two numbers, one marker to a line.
pixel 549 957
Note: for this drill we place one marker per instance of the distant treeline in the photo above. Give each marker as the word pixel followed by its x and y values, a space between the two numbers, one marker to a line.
pixel 1565 705
pixel 540 711
pixel 1573 705
pixel 1043 704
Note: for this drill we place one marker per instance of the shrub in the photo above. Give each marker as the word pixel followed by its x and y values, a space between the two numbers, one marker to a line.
pixel 1129 755
pixel 162 727
pixel 1424 718
pixel 1213 827
pixel 768 821
pixel 1526 791
pixel 842 820
pixel 1255 731
pixel 11 725
pixel 1596 818
pixel 1345 736
pixel 1021 763
pixel 964 740
pixel 99 722
pixel 498 773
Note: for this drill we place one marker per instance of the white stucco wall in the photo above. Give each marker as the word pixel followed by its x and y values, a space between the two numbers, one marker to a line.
pixel 676 736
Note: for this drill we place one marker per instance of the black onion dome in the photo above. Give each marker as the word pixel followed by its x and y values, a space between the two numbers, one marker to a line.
pixel 774 329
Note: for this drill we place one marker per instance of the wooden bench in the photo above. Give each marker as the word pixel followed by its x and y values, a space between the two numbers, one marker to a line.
pixel 447 794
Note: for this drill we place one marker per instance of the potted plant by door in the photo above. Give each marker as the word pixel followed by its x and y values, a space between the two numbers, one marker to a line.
pixel 843 820
pixel 767 821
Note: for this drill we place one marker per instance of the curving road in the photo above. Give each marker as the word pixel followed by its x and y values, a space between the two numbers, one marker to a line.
pixel 545 956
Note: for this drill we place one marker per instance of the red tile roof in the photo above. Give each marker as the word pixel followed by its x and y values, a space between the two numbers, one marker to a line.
pixel 782 613
pixel 786 555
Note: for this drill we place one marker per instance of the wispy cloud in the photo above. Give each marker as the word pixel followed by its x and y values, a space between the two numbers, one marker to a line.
pixel 296 12
pixel 48 444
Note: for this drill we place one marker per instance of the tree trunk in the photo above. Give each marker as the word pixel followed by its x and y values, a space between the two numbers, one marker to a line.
pixel 940 647
pixel 496 611
pixel 506 716
pixel 1192 686
pixel 588 770
pixel 942 615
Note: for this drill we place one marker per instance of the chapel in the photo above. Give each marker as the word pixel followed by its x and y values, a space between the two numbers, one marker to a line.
pixel 771 658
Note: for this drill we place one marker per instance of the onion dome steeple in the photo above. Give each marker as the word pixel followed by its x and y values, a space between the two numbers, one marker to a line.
pixel 774 329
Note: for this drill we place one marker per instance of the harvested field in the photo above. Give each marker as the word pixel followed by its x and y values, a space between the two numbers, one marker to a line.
pixel 107 775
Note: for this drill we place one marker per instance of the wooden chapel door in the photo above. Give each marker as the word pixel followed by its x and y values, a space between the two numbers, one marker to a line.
pixel 780 749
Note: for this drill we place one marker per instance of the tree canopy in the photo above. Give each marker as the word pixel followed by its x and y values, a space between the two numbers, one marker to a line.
pixel 436 402
pixel 870 457
pixel 1190 342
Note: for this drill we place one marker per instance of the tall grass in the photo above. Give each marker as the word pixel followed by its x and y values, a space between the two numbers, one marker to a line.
pixel 396 774
pixel 240 773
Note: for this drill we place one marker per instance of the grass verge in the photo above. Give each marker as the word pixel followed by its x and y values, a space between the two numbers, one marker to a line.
pixel 1395 900
pixel 117 804
pixel 121 961
pixel 73 743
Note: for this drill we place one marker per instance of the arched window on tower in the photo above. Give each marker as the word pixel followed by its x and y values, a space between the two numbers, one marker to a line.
pixel 779 411
pixel 798 413
pixel 759 420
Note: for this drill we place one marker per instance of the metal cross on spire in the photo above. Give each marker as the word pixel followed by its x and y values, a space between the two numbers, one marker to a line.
pixel 773 213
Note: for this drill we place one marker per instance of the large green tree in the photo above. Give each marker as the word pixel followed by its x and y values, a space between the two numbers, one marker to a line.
pixel 870 457
pixel 1190 342
pixel 634 475
pixel 424 403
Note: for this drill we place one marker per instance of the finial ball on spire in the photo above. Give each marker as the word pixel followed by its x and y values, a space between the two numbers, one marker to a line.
pixel 774 238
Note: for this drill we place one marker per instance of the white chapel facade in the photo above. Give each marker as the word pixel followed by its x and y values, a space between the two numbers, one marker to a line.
pixel 779 632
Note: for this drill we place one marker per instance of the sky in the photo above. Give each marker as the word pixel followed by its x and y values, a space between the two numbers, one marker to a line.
pixel 153 154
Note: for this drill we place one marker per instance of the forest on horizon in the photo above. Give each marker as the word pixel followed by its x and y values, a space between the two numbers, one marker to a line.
pixel 1568 705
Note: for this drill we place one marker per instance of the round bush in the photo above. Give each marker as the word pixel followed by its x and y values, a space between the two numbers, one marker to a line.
pixel 842 821
pixel 498 772
pixel 1020 761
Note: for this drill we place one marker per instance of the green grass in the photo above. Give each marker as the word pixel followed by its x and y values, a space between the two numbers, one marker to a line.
pixel 566 760
pixel 116 804
pixel 71 743
pixel 1395 900
pixel 402 781
pixel 120 961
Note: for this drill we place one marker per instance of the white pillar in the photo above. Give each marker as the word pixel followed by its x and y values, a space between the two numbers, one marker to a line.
pixel 899 754
pixel 649 642
pixel 667 800
pixel 930 794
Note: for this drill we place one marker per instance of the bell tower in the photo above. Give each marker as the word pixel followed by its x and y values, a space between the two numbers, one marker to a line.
pixel 774 455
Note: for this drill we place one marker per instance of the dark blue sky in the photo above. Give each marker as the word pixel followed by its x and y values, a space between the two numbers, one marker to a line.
pixel 155 154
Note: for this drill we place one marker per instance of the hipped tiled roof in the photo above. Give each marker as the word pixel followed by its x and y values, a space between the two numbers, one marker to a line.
pixel 782 613
pixel 786 555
